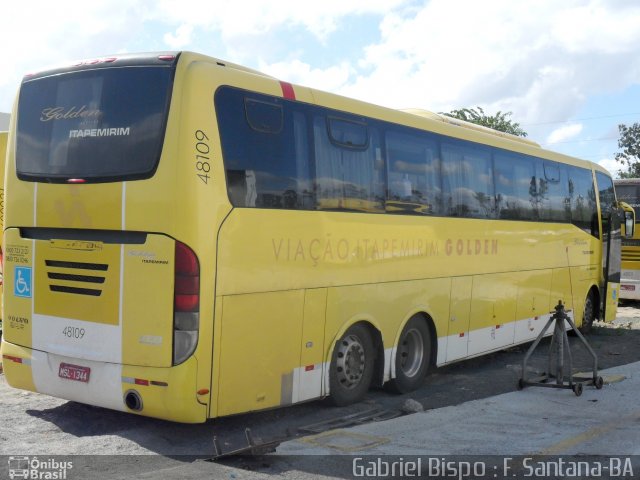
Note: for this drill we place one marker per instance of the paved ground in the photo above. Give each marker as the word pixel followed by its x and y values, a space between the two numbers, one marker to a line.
pixel 481 390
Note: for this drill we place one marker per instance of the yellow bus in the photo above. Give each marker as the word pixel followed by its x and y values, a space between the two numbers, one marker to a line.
pixel 628 190
pixel 187 238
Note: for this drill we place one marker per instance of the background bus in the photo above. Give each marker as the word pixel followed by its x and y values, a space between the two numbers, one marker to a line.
pixel 187 238
pixel 628 190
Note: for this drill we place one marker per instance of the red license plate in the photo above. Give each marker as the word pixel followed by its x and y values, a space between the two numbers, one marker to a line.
pixel 74 372
pixel 628 287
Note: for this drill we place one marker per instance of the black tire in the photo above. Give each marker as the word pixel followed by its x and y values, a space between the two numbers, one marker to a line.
pixel 577 389
pixel 413 356
pixel 598 382
pixel 351 370
pixel 589 315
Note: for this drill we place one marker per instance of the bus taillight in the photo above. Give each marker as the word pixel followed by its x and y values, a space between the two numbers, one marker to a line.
pixel 186 303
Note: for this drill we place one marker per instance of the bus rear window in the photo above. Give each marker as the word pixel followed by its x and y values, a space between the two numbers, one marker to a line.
pixel 97 125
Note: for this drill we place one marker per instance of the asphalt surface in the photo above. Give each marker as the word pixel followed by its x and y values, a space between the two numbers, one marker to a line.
pixel 482 390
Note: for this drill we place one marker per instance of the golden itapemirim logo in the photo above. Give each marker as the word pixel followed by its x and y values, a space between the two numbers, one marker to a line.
pixel 68 113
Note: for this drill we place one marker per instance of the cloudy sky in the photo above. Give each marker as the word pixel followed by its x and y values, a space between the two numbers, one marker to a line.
pixel 569 71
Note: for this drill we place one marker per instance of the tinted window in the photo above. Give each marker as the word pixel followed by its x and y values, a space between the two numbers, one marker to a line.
pixel 553 192
pixel 606 193
pixel 286 154
pixel 629 193
pixel 516 186
pixel 265 117
pixel 584 211
pixel 467 180
pixel 347 177
pixel 98 125
pixel 413 176
pixel 265 148
pixel 349 134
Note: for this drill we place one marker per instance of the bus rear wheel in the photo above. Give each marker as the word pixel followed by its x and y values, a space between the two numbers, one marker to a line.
pixel 412 356
pixel 589 315
pixel 351 366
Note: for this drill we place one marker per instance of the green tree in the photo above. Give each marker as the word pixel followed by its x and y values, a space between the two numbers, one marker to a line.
pixel 629 142
pixel 500 121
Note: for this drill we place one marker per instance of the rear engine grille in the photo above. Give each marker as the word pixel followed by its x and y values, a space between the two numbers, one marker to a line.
pixel 75 272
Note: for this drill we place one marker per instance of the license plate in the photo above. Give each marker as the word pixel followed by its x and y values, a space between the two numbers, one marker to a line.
pixel 74 372
pixel 630 288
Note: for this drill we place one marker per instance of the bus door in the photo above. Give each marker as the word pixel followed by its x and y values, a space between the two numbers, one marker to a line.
pixel 611 262
pixel 613 215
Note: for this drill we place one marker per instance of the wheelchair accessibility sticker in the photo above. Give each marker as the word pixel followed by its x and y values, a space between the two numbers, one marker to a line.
pixel 22 282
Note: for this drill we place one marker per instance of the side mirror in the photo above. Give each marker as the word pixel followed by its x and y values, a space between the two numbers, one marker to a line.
pixel 629 219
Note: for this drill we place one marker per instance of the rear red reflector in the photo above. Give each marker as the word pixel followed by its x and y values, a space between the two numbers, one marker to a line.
pixel 76 180
pixel 461 335
pixel 187 279
pixel 308 368
pixel 187 303
pixel 187 285
pixel 139 381
pixel 186 261
pixel 13 359
pixel 203 391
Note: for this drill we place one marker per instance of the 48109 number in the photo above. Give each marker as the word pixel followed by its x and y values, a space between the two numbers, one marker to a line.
pixel 73 332
pixel 203 167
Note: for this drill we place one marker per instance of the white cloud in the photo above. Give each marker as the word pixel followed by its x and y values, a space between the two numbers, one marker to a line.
pixel 611 165
pixel 250 17
pixel 564 133
pixel 181 39
pixel 333 78
pixel 538 59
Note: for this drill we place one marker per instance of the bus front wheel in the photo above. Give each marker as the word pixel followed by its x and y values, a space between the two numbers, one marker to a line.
pixel 351 366
pixel 412 356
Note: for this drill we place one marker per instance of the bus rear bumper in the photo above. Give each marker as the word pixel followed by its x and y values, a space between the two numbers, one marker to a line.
pixel 166 393
pixel 629 289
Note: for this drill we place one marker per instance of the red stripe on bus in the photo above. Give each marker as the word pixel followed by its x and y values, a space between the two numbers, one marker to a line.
pixel 287 91
pixel 13 359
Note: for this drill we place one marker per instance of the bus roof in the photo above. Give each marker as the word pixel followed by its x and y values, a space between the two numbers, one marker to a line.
pixel 417 118
pixel 473 126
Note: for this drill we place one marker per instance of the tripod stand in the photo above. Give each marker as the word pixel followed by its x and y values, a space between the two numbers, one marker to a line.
pixel 560 343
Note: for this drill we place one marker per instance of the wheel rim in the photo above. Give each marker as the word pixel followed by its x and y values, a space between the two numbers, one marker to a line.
pixel 350 361
pixel 411 352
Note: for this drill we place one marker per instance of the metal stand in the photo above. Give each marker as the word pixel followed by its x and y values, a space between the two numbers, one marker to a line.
pixel 560 342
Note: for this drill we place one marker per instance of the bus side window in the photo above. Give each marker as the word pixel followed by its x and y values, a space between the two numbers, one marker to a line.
pixel 349 167
pixel 265 150
pixel 515 186
pixel 553 192
pixel 467 181
pixel 584 211
pixel 413 176
pixel 607 197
